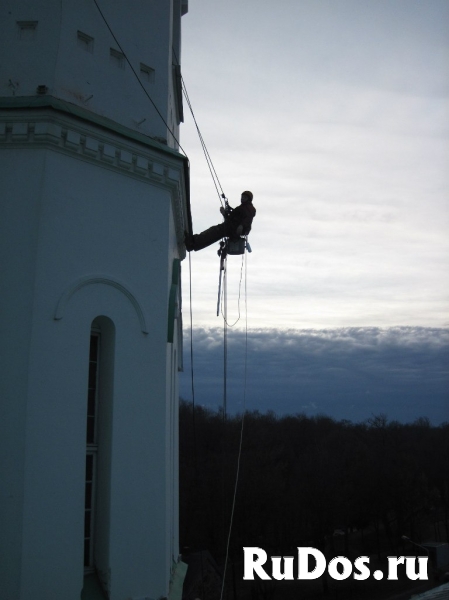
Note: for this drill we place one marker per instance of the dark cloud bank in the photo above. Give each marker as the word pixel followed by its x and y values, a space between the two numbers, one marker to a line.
pixel 348 373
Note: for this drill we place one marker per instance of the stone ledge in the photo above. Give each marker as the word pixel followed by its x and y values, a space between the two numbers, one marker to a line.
pixel 89 143
pixel 50 133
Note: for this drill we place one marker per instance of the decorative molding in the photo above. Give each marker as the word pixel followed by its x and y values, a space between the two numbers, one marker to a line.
pixel 89 145
pixel 29 128
pixel 94 279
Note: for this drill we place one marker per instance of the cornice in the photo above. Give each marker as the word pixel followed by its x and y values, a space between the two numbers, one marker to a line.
pixel 18 103
pixel 150 162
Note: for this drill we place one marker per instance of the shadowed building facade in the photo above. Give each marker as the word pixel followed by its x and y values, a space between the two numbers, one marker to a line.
pixel 94 205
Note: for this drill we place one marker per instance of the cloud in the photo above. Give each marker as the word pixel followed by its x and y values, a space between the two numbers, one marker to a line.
pixel 335 116
pixel 346 373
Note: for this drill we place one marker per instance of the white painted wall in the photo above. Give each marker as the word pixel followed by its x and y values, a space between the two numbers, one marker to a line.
pixel 91 219
pixel 52 54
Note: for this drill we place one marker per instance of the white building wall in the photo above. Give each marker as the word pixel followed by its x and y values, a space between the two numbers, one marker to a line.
pixel 65 46
pixel 92 217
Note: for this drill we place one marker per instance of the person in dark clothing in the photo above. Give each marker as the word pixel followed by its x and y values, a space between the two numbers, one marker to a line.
pixel 237 222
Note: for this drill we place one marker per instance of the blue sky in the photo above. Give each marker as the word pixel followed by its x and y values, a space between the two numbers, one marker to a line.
pixel 335 114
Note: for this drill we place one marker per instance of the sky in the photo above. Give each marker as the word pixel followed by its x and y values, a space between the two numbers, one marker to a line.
pixel 335 114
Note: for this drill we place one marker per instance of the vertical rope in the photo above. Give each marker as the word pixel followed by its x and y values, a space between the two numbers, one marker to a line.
pixel 241 435
pixel 191 369
pixel 225 400
pixel 212 170
pixel 225 336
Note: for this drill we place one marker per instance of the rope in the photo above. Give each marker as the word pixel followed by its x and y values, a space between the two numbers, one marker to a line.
pixel 138 78
pixel 225 380
pixel 221 197
pixel 241 438
pixel 225 339
pixel 212 170
pixel 238 301
pixel 217 184
pixel 191 369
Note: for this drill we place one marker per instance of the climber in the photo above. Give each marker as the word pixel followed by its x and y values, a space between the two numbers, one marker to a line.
pixel 237 223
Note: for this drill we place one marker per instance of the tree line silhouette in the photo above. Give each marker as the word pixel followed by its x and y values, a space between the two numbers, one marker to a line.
pixel 310 481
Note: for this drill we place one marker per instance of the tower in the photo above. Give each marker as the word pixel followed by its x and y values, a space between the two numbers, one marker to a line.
pixel 94 204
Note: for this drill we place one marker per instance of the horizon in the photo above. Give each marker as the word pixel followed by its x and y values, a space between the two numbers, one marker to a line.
pixel 347 373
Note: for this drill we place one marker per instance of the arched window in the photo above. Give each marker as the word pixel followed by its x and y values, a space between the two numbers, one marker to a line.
pixel 91 446
pixel 100 388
